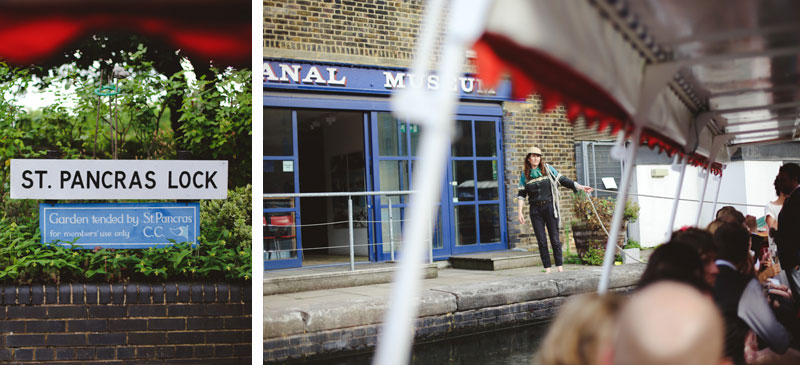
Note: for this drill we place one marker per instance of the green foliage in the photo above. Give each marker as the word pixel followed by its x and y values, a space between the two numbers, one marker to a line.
pixel 586 219
pixel 154 115
pixel 216 121
pixel 224 252
pixel 632 243
pixel 229 219
pixel 605 210
pixel 572 258
pixel 594 257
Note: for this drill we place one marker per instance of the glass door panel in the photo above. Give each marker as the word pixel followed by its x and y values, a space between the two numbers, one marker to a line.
pixel 465 225
pixel 489 218
pixel 487 180
pixel 464 181
pixel 475 188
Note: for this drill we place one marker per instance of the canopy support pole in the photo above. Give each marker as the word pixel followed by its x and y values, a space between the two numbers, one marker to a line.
pixel 434 111
pixel 703 194
pixel 716 145
pixel 716 196
pixel 674 212
pixel 619 210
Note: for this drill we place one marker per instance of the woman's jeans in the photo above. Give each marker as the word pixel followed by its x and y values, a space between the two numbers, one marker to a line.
pixel 542 215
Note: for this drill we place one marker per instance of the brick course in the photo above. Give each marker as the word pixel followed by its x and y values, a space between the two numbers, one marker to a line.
pixel 78 330
pixel 383 33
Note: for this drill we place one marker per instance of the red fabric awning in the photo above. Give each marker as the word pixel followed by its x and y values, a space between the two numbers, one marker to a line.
pixel 210 30
pixel 556 83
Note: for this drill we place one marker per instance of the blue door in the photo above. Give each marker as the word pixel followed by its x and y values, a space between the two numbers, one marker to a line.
pixel 476 191
pixel 395 156
pixel 470 214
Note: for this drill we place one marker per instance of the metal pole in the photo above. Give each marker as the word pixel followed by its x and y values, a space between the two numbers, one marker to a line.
pixel 716 196
pixel 350 227
pixel 619 210
pixel 594 167
pixel 677 199
pixel 391 230
pixel 703 195
pixel 430 236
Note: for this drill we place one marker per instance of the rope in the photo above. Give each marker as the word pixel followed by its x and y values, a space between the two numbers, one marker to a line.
pixel 328 223
pixel 609 234
pixel 345 246
pixel 686 200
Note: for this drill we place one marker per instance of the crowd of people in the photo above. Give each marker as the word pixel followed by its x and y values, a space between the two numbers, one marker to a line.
pixel 716 295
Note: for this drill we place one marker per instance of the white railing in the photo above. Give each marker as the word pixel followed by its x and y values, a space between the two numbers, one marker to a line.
pixel 350 220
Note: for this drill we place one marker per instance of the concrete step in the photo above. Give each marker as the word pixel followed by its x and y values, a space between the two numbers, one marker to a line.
pixel 308 279
pixel 496 260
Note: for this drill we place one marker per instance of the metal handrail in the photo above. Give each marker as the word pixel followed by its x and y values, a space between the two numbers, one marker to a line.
pixel 350 195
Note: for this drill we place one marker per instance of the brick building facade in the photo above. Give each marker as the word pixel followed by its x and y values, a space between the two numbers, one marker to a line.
pixel 380 33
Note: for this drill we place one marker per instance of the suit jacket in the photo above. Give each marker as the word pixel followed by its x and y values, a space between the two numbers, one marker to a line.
pixel 788 238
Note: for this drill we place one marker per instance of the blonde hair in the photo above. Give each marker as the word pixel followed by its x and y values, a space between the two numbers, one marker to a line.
pixel 584 326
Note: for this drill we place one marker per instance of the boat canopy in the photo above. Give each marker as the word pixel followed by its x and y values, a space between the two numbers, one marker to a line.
pixel 702 77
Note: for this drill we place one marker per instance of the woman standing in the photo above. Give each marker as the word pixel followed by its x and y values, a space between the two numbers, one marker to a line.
pixel 538 183
pixel 771 211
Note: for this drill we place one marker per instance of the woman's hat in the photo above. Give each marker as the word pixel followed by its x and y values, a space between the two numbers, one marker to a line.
pixel 535 150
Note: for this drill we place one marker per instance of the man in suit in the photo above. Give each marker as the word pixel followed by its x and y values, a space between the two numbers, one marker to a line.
pixel 788 234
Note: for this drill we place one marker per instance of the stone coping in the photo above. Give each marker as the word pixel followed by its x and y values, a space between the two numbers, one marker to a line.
pixel 128 293
pixel 441 300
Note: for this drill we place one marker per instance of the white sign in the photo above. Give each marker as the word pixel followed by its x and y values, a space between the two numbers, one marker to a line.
pixel 118 179
pixel 288 166
pixel 609 183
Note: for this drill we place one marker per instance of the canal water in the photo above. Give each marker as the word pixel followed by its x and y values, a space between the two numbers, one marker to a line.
pixel 508 346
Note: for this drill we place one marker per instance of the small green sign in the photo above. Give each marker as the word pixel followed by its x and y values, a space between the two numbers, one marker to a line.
pixel 413 128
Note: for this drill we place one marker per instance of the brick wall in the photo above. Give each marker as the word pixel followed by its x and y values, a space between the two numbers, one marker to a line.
pixel 383 33
pixel 372 32
pixel 126 323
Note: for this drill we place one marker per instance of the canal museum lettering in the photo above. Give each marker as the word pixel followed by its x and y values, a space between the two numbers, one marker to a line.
pixel 299 75
pixel 118 179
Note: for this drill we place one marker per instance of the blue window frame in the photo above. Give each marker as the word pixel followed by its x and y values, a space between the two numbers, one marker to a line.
pixel 282 239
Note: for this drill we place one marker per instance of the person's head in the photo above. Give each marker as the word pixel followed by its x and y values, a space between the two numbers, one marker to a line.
pixel 583 330
pixel 675 261
pixel 725 210
pixel 703 242
pixel 777 185
pixel 712 227
pixel 751 222
pixel 789 177
pixel 534 160
pixel 669 323
pixel 729 214
pixel 733 241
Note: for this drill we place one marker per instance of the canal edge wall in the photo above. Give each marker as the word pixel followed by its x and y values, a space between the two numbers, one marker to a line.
pixel 341 327
pixel 187 322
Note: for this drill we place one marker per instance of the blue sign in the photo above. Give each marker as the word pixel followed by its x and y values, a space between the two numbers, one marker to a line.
pixel 328 77
pixel 119 225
